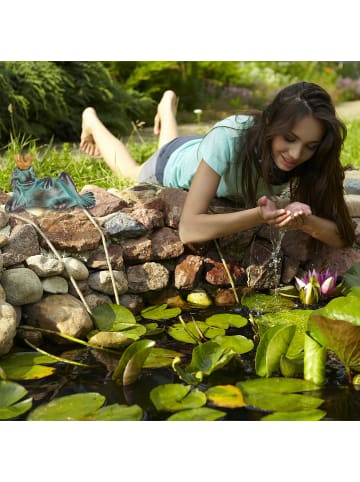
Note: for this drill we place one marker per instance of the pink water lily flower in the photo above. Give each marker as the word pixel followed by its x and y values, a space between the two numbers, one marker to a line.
pixel 313 286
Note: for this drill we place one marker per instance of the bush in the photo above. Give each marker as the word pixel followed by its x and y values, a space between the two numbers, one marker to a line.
pixel 47 99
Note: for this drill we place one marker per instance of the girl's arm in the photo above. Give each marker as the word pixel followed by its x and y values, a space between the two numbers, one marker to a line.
pixel 197 226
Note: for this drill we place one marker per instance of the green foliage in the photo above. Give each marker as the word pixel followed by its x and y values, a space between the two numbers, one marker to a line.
pixel 47 99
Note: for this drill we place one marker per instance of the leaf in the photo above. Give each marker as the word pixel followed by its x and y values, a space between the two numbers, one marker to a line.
pixel 299 318
pixel 208 357
pixel 181 333
pixel 70 407
pixel 224 320
pixel 172 397
pixel 117 339
pixel 301 415
pixel 260 302
pixel 160 312
pixel 197 414
pixel 314 361
pixel 343 338
pixel 10 394
pixel 27 366
pixel 228 396
pixel 111 317
pixel 117 412
pixel 344 308
pixel 276 384
pixel 289 402
pixel 160 357
pixel 237 343
pixel 272 345
pixel 290 367
pixel 131 361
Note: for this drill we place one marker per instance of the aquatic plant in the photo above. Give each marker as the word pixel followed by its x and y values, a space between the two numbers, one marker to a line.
pixel 314 286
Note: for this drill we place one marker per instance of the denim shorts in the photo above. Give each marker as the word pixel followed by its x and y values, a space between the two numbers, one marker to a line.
pixel 152 170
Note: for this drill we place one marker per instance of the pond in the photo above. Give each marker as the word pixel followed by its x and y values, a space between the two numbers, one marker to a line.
pixel 334 400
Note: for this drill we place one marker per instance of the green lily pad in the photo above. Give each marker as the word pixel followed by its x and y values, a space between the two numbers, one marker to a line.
pixel 153 329
pixel 84 406
pixel 189 333
pixel 224 320
pixel 276 384
pixel 284 402
pixel 227 396
pixel 172 397
pixel 27 366
pixel 117 412
pixel 197 414
pixel 160 357
pixel 314 361
pixel 300 416
pixel 260 302
pixel 69 407
pixel 117 339
pixel 10 394
pixel 273 344
pixel 111 317
pixel 209 356
pixel 132 361
pixel 299 318
pixel 237 343
pixel 160 312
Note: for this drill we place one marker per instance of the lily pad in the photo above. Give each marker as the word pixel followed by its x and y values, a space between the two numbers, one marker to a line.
pixel 273 344
pixel 197 414
pixel 300 416
pixel 190 334
pixel 282 402
pixel 227 396
pixel 263 303
pixel 209 356
pixel 132 361
pixel 69 407
pixel 84 406
pixel 160 357
pixel 224 320
pixel 117 339
pixel 111 317
pixel 160 312
pixel 27 366
pixel 10 394
pixel 237 343
pixel 117 412
pixel 299 318
pixel 277 384
pixel 172 397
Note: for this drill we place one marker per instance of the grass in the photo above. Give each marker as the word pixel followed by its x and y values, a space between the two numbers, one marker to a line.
pixel 51 160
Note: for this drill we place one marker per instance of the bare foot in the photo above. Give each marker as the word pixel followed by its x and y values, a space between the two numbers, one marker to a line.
pixel 168 104
pixel 87 142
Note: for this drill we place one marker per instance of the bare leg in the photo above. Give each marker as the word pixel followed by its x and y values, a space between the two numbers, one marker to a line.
pixel 165 125
pixel 97 139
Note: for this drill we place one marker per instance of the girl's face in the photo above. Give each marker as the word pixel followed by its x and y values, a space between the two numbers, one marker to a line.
pixel 298 145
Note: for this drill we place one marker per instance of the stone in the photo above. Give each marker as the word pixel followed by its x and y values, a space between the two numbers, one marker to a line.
pixel 70 231
pixel 7 327
pixel 23 242
pixel 101 281
pixel 62 313
pixel 188 271
pixel 22 286
pixel 147 277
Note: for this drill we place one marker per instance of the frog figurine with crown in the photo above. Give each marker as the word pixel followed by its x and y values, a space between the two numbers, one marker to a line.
pixel 28 191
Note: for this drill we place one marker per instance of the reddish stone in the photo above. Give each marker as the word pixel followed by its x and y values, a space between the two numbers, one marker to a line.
pixel 187 272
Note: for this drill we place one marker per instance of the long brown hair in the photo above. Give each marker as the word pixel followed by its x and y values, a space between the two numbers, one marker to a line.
pixel 318 182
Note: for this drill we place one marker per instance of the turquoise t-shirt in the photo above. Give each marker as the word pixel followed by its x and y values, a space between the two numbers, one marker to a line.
pixel 219 150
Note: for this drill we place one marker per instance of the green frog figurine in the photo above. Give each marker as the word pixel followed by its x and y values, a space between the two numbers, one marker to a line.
pixel 28 191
